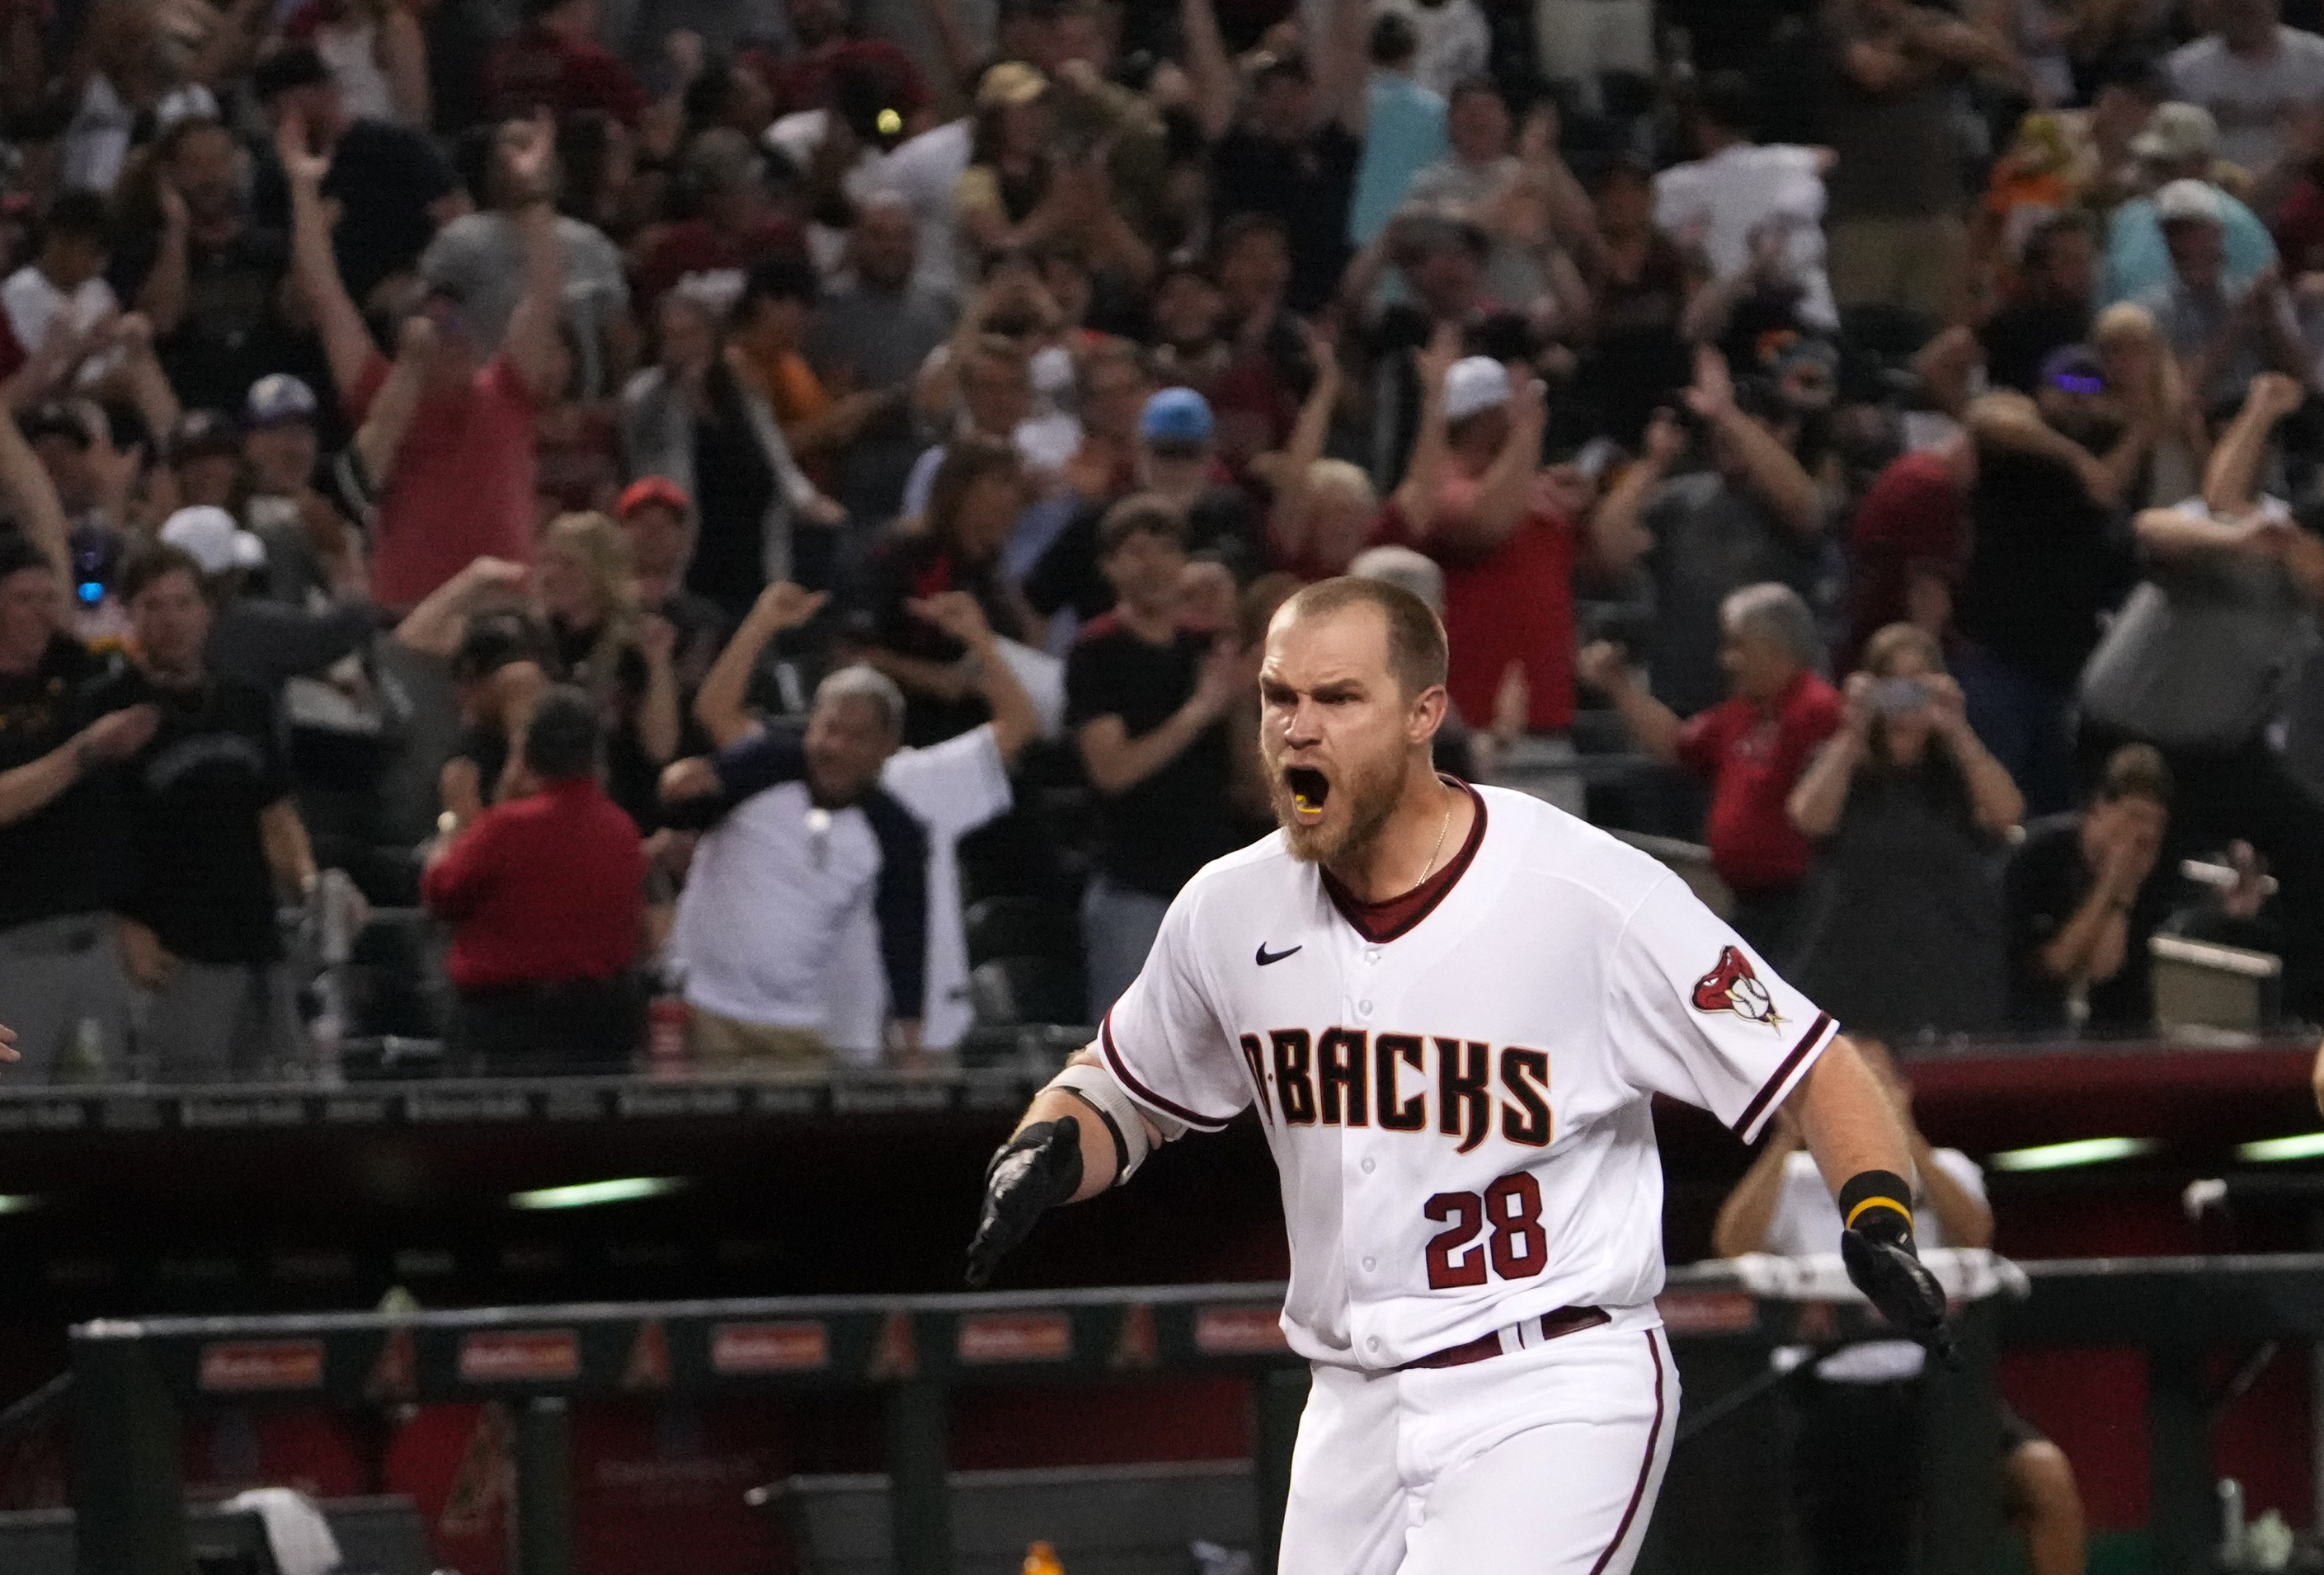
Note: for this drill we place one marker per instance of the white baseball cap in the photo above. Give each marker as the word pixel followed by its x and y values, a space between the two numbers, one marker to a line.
pixel 1475 383
pixel 210 536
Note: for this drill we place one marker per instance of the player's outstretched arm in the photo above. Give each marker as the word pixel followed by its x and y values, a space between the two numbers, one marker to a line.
pixel 1860 1147
pixel 1080 1136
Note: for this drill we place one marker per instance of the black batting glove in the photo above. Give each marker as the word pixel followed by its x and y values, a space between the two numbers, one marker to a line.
pixel 1892 1274
pixel 1882 1262
pixel 1035 1170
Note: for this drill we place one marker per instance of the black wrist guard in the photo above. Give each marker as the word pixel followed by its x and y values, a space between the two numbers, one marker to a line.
pixel 1879 1204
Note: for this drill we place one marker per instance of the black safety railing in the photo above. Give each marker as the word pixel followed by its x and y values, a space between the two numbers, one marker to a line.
pixel 134 1379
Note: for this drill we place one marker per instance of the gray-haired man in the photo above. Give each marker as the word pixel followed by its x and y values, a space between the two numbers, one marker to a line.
pixel 1751 748
pixel 806 845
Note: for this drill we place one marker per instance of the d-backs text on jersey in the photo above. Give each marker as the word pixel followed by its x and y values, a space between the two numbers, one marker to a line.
pixel 1349 1077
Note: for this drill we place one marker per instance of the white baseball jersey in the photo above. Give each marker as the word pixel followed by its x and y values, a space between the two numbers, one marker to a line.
pixel 1460 1109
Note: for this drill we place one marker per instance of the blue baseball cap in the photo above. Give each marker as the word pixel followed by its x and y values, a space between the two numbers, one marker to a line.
pixel 1176 415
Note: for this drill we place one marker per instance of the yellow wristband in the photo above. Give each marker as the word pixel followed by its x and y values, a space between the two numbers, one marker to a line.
pixel 1877 1203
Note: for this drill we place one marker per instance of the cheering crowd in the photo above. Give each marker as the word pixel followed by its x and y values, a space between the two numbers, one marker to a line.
pixel 760 521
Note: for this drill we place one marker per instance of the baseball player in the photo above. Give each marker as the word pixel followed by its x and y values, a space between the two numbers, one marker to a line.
pixel 1451 1006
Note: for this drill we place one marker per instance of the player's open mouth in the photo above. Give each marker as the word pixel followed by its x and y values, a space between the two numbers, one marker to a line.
pixel 1309 788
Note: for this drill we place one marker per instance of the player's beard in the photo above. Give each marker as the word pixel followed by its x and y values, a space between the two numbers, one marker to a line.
pixel 1362 795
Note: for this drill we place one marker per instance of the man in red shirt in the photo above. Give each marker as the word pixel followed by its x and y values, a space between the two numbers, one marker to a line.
pixel 555 63
pixel 1476 499
pixel 546 895
pixel 1751 748
pixel 461 482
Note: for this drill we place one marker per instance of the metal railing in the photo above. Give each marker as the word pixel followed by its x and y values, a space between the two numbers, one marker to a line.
pixel 132 1378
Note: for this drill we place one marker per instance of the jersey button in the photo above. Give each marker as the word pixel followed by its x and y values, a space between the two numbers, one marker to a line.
pixel 1363 1008
pixel 1370 1165
pixel 1371 1264
pixel 1373 1343
pixel 1371 954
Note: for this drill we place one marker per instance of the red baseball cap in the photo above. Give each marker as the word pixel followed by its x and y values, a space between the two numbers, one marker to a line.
pixel 654 488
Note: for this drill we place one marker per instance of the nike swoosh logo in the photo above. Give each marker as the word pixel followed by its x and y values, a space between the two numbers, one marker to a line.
pixel 1267 957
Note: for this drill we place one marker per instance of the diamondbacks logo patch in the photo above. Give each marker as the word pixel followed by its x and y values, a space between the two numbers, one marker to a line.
pixel 1732 987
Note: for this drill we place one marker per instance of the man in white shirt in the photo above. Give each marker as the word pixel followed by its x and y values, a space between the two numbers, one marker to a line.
pixel 950 787
pixel 1740 192
pixel 2254 74
pixel 806 848
pixel 1857 1466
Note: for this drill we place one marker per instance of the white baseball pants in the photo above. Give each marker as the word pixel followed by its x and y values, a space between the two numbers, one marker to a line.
pixel 1542 1462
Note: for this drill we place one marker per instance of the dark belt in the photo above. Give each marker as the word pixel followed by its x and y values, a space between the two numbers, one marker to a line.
pixel 1531 1332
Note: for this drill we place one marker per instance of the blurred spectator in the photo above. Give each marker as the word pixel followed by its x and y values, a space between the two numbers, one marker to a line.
pixel 575 438
pixel 2044 563
pixel 461 482
pixel 1739 201
pixel 2224 335
pixel 978 493
pixel 872 336
pixel 2180 145
pixel 1459 751
pixel 1751 749
pixel 609 650
pixel 2084 896
pixel 1176 462
pixel 1640 288
pixel 1903 931
pixel 1293 152
pixel 951 787
pixel 696 419
pixel 376 52
pixel 2050 307
pixel 257 639
pixel 545 893
pixel 208 276
pixel 1477 501
pixel 1325 510
pixel 1404 128
pixel 773 323
pixel 925 172
pixel 2254 74
pixel 807 849
pixel 555 64
pixel 1451 41
pixel 61 977
pixel 1856 1464
pixel 1908 545
pixel 829 52
pixel 394 190
pixel 1897 239
pixel 61 291
pixel 215 838
pixel 1755 516
pixel 1144 698
pixel 312 547
pixel 479 260
pixel 2201 659
pixel 735 224
pixel 1001 202
pixel 658 518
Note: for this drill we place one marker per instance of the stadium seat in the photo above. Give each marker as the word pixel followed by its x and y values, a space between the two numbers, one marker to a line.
pixel 1009 990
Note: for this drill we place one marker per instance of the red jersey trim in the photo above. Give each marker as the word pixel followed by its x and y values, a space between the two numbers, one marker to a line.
pixel 1147 1095
pixel 1817 1031
pixel 1361 917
